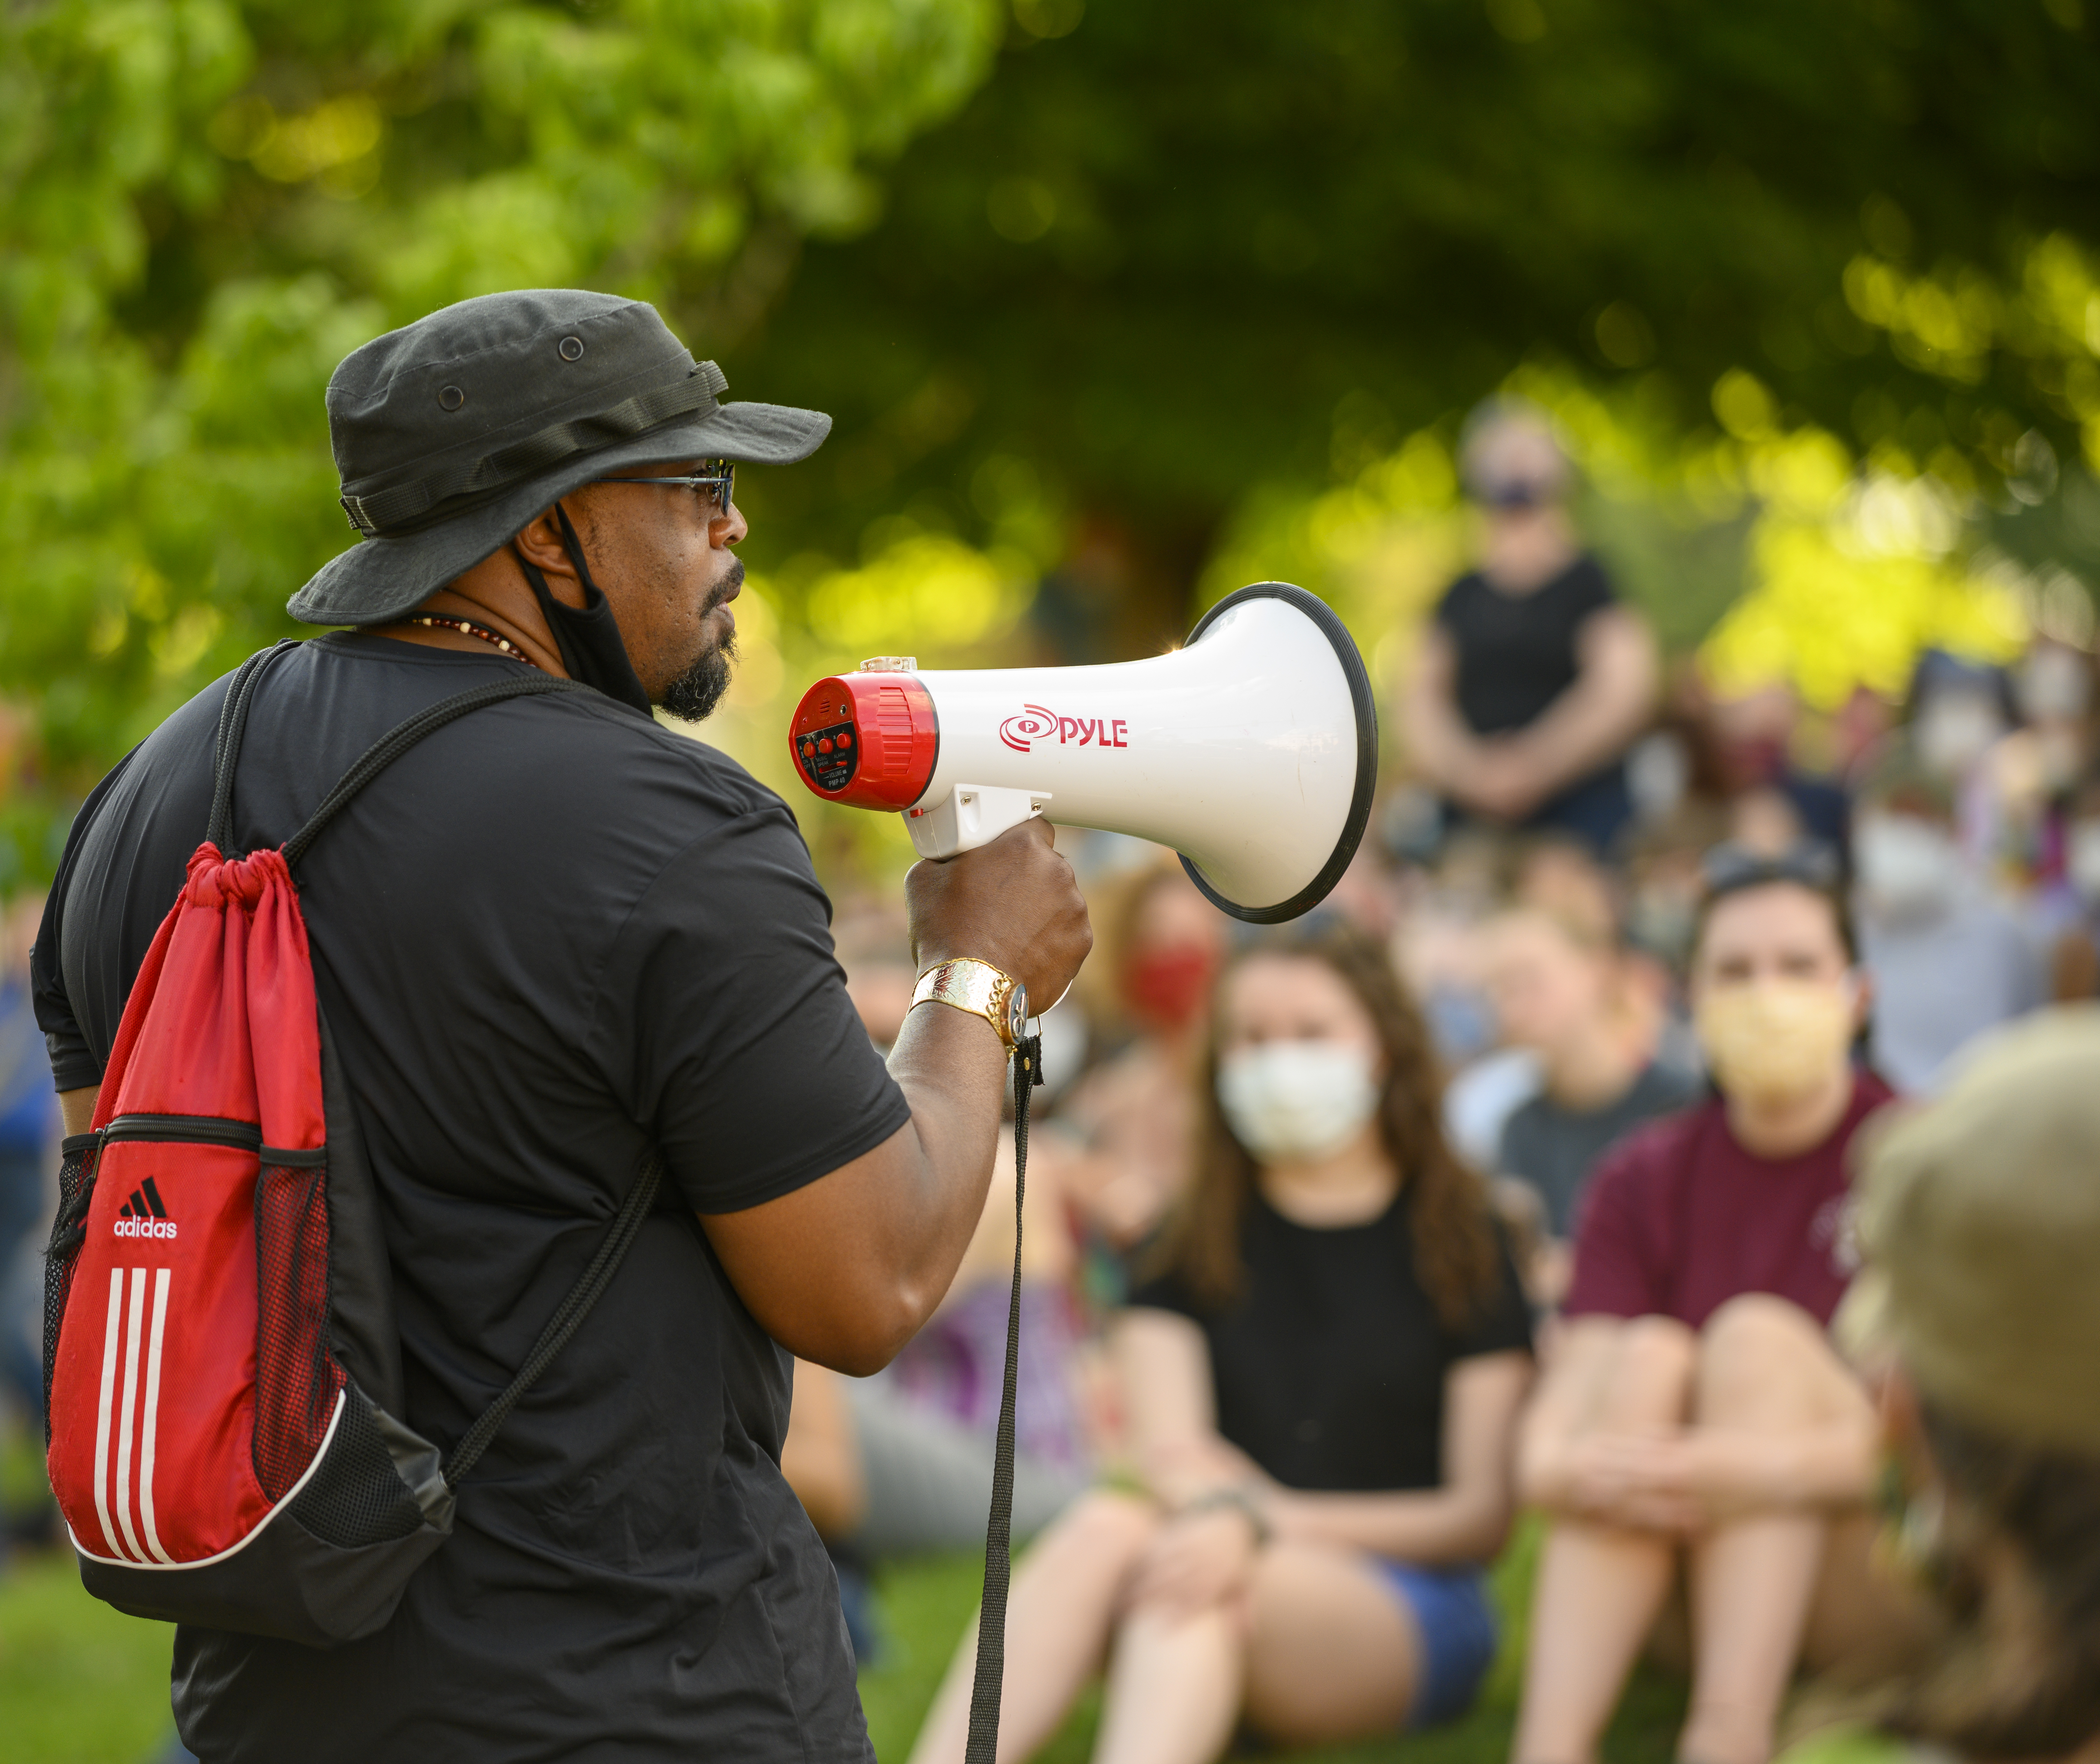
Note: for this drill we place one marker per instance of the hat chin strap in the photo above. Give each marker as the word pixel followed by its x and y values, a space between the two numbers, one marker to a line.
pixel 588 639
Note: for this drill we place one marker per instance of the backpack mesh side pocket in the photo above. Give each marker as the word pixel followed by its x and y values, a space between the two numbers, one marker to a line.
pixel 357 1496
pixel 68 1232
pixel 297 1379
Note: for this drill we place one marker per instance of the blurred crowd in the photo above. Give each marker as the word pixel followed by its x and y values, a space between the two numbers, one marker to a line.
pixel 1680 1123
pixel 1527 1174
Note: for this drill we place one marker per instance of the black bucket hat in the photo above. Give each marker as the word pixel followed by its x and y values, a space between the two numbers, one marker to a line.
pixel 452 433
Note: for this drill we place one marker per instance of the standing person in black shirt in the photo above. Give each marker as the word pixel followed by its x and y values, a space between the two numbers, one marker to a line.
pixel 1322 1387
pixel 1532 680
pixel 552 936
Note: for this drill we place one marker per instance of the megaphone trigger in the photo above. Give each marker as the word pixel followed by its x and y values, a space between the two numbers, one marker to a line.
pixel 970 815
pixel 1252 751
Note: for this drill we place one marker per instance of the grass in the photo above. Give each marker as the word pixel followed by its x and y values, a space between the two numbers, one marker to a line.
pixel 82 1684
pixel 79 1682
pixel 926 1605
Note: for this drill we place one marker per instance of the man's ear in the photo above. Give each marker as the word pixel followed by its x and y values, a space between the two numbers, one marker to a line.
pixel 540 543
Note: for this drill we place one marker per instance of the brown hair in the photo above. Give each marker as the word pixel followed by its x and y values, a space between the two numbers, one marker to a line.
pixel 1730 869
pixel 2018 1566
pixel 1456 1253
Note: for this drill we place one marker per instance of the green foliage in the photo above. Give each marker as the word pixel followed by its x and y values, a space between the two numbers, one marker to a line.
pixel 1182 255
pixel 204 205
pixel 1109 300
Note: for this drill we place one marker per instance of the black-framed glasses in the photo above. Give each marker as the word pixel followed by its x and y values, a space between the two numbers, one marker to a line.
pixel 714 482
pixel 1729 868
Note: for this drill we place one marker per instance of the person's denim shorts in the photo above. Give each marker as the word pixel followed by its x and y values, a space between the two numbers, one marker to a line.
pixel 1457 1628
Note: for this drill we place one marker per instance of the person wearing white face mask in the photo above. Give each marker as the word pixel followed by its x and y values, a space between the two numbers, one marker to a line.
pixel 1704 1457
pixel 1321 1381
pixel 1948 962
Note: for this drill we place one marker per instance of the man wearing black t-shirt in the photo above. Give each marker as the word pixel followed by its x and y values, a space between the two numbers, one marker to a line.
pixel 553 935
pixel 1532 678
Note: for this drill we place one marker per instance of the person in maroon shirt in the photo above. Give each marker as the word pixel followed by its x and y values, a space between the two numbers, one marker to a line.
pixel 1693 1416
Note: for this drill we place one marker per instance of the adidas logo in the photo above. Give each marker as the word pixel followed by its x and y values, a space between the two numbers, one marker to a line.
pixel 144 1215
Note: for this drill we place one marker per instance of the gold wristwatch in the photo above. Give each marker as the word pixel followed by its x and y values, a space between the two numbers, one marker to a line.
pixel 981 989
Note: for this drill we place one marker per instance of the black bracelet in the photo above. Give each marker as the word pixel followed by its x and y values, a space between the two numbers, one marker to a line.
pixel 1240 1501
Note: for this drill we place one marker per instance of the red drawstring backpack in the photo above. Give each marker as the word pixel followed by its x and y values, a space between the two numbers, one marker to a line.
pixel 222 1372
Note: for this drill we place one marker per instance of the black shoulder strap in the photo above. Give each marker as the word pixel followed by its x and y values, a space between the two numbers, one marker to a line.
pixel 233 725
pixel 619 1239
pixel 404 734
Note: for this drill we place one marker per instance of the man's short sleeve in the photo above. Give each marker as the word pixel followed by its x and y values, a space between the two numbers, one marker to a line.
pixel 724 1000
pixel 1616 1268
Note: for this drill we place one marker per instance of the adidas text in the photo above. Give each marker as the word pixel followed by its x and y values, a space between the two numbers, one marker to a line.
pixel 143 1228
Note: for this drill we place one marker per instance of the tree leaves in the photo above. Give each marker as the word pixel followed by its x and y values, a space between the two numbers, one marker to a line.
pixel 204 205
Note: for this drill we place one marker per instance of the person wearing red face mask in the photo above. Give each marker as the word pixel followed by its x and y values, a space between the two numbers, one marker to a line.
pixel 1132 1115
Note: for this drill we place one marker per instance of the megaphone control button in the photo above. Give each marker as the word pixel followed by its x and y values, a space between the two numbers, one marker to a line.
pixel 846 738
pixel 824 746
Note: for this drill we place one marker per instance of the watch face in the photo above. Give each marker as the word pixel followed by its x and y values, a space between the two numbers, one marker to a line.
pixel 1016 1011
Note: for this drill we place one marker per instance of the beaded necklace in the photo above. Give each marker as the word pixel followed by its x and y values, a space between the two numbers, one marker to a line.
pixel 439 622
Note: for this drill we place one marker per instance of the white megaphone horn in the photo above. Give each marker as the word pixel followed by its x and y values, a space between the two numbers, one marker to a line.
pixel 1252 750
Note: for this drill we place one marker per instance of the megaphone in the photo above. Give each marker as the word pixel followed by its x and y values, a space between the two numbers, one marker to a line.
pixel 1252 751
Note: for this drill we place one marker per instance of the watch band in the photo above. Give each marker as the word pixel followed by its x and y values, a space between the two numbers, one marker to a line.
pixel 979 988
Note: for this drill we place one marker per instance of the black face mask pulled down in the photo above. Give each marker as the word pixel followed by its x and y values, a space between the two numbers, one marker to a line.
pixel 588 639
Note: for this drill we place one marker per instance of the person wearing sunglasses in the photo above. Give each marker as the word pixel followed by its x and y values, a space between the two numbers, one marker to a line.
pixel 556 942
pixel 1532 678
pixel 1705 1460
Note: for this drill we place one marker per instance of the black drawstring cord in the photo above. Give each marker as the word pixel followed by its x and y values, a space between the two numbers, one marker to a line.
pixel 983 1746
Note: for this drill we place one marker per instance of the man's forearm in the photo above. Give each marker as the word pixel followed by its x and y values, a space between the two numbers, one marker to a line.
pixel 954 1070
pixel 77 1108
pixel 845 1270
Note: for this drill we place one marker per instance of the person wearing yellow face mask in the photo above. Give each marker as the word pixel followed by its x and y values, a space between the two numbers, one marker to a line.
pixel 1705 1460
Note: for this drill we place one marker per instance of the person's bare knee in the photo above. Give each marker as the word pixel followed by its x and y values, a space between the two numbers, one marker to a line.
pixel 1649 1382
pixel 1762 1360
pixel 1331 1655
pixel 1105 1526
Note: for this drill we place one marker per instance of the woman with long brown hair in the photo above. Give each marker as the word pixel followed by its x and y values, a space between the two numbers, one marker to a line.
pixel 1320 1381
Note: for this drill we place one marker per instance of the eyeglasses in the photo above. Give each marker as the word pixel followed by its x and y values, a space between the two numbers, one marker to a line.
pixel 714 482
pixel 1727 869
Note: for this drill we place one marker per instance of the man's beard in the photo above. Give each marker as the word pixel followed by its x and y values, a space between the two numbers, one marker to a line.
pixel 694 693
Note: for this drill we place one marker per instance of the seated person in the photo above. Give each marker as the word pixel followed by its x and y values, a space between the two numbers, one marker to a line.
pixel 1121 1138
pixel 1948 960
pixel 1565 994
pixel 1985 1357
pixel 1321 1383
pixel 1692 1419
pixel 902 1462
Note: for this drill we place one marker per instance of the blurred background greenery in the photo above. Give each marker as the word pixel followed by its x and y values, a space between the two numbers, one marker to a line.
pixel 1117 307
